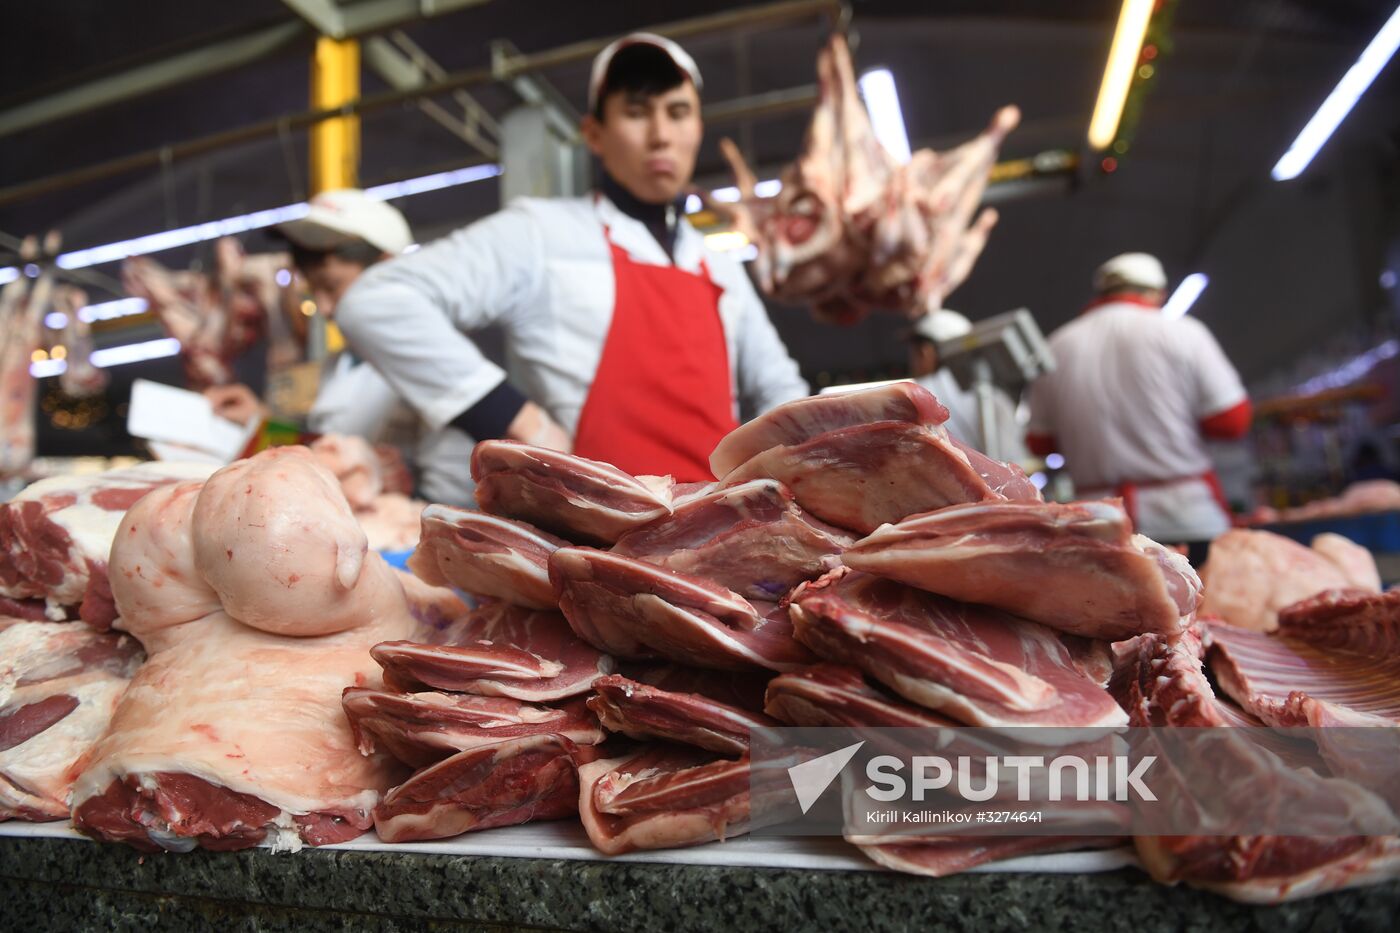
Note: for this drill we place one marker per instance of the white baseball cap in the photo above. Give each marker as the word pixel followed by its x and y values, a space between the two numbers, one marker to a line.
pixel 603 61
pixel 1139 270
pixel 346 214
pixel 942 325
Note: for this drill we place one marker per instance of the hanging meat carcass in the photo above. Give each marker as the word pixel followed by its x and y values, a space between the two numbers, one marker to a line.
pixel 215 317
pixel 852 231
pixel 21 312
pixel 79 378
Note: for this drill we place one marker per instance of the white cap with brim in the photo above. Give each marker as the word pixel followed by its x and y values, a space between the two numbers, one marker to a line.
pixel 942 325
pixel 604 59
pixel 338 217
pixel 1131 270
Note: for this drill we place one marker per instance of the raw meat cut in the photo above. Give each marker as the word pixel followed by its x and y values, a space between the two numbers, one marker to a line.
pixel 420 729
pixel 268 537
pixel 580 500
pixel 1075 567
pixel 1365 623
pixel 392 522
pixel 977 665
pixel 949 855
pixel 1353 560
pixel 1270 869
pixel 864 476
pixel 632 609
pixel 1251 575
pixel 55 536
pixel 515 781
pixel 1161 683
pixel 1360 498
pixel 499 650
pixel 59 684
pixel 354 464
pixel 752 538
pixel 157 583
pixel 1321 669
pixel 663 797
pixel 851 230
pixel 232 733
pixel 487 556
pixel 833 695
pixel 647 711
pixel 805 418
pixel 202 750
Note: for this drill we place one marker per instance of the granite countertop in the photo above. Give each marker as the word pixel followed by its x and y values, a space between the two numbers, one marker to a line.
pixel 69 884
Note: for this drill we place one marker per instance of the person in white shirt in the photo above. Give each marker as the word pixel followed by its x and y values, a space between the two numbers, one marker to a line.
pixel 964 417
pixel 627 339
pixel 343 233
pixel 1132 398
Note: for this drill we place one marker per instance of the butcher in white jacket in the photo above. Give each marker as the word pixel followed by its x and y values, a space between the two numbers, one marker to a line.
pixel 343 233
pixel 627 339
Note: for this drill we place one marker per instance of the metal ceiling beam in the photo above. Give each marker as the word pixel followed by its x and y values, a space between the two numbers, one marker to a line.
pixel 367 16
pixel 177 69
pixel 535 90
pixel 750 17
pixel 324 16
pixel 404 66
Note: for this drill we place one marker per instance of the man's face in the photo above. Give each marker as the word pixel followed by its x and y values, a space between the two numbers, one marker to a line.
pixel 648 144
pixel 328 277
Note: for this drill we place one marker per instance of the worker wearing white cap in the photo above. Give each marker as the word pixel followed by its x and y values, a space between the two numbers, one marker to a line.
pixel 941 326
pixel 343 233
pixel 1131 401
pixel 627 339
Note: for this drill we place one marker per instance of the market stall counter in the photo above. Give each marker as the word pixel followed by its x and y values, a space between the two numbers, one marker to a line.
pixel 55 883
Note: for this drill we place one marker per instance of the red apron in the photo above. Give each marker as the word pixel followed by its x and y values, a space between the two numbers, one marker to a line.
pixel 1128 490
pixel 661 399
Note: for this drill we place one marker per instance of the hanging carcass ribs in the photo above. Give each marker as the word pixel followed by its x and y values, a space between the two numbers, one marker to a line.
pixel 852 230
pixel 215 317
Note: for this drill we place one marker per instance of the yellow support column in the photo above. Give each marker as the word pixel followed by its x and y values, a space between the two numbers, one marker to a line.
pixel 335 144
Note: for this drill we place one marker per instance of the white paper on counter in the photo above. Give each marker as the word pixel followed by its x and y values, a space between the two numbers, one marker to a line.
pixel 167 416
pixel 566 840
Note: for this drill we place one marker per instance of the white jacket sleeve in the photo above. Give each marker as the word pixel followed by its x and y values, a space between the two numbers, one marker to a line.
pixel 766 373
pixel 407 316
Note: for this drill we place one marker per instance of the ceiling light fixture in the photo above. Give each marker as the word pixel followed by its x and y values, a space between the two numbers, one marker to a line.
pixel 882 100
pixel 1118 73
pixel 1339 103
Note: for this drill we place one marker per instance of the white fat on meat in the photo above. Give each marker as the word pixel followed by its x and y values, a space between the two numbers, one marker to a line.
pixel 1251 575
pixel 247 698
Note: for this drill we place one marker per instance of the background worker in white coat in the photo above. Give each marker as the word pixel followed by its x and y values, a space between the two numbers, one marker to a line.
pixel 343 233
pixel 1131 401
pixel 627 340
pixel 964 416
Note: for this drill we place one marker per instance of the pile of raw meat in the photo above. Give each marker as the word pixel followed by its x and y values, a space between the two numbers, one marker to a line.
pixel 852 230
pixel 64 671
pixel 853 566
